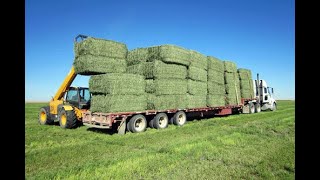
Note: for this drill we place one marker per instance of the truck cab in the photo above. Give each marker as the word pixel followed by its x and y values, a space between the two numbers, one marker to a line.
pixel 266 95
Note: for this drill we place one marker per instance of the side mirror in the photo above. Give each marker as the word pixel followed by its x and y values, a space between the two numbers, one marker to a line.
pixel 272 90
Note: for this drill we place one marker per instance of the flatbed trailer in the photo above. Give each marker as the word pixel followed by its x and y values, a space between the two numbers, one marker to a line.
pixel 103 120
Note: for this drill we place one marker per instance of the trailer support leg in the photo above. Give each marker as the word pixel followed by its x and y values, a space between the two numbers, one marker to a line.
pixel 122 127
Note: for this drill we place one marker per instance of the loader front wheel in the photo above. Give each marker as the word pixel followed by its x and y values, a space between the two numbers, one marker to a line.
pixel 67 119
pixel 44 116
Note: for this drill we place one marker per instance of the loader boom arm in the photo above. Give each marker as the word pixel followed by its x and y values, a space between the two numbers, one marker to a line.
pixel 65 84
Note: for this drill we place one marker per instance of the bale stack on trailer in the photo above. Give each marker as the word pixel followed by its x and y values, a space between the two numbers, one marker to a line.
pixel 197 80
pixel 112 89
pixel 216 82
pixel 246 83
pixel 165 70
pixel 232 83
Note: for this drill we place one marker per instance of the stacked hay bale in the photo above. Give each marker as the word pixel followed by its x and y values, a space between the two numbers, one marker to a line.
pixel 232 83
pixel 197 80
pixel 165 70
pixel 216 82
pixel 246 83
pixel 112 89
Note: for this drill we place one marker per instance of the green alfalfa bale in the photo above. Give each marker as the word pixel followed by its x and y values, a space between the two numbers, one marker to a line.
pixel 92 65
pixel 215 76
pixel 233 99
pixel 181 101
pixel 216 100
pixel 137 56
pixel 231 78
pixel 197 74
pixel 215 63
pixel 118 103
pixel 232 89
pixel 198 60
pixel 197 101
pixel 150 86
pixel 215 88
pixel 170 86
pixel 170 54
pixel 245 93
pixel 101 47
pixel 245 84
pixel 245 73
pixel 117 84
pixel 136 69
pixel 230 66
pixel 159 69
pixel 197 87
pixel 164 102
pixel 151 98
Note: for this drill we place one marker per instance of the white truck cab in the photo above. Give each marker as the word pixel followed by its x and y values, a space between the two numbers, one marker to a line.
pixel 266 95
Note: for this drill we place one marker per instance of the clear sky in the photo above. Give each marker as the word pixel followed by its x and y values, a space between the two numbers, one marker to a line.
pixel 255 34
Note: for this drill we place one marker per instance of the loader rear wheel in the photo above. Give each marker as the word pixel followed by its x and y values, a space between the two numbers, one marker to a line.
pixel 160 121
pixel 179 118
pixel 137 123
pixel 67 119
pixel 44 116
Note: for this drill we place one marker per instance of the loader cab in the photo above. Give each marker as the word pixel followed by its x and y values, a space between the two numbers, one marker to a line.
pixel 79 97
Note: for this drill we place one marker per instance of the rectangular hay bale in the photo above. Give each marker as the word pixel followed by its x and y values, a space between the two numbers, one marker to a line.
pixel 197 101
pixel 117 84
pixel 198 60
pixel 170 86
pixel 230 66
pixel 137 56
pixel 216 76
pixel 101 47
pixel 197 87
pixel 93 65
pixel 118 103
pixel 215 88
pixel 170 54
pixel 215 64
pixel 197 74
pixel 215 100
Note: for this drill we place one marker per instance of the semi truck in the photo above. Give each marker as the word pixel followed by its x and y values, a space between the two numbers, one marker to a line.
pixel 71 108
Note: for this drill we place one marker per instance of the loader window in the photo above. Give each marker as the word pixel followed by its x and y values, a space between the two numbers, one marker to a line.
pixel 72 95
pixel 84 95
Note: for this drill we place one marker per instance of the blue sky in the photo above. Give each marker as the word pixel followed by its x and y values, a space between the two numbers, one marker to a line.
pixel 258 35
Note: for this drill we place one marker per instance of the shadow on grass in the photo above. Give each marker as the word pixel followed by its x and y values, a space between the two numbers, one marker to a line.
pixel 103 131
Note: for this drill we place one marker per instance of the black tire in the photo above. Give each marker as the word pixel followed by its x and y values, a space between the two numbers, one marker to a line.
pixel 44 117
pixel 151 123
pixel 274 107
pixel 179 118
pixel 257 108
pixel 251 108
pixel 137 123
pixel 67 119
pixel 160 121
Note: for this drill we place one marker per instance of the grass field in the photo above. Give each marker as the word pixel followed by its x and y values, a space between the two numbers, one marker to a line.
pixel 245 146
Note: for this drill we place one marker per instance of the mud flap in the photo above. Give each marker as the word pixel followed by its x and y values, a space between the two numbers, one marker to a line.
pixel 122 127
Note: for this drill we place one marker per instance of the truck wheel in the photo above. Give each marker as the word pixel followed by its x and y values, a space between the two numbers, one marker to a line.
pixel 151 122
pixel 44 116
pixel 160 121
pixel 179 118
pixel 137 123
pixel 257 108
pixel 251 108
pixel 274 107
pixel 67 119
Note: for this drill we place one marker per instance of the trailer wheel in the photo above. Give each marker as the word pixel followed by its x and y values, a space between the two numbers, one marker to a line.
pixel 274 107
pixel 251 108
pixel 151 122
pixel 44 116
pixel 180 118
pixel 137 123
pixel 67 119
pixel 257 108
pixel 160 121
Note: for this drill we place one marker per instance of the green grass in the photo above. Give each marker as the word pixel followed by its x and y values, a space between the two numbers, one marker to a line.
pixel 245 146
